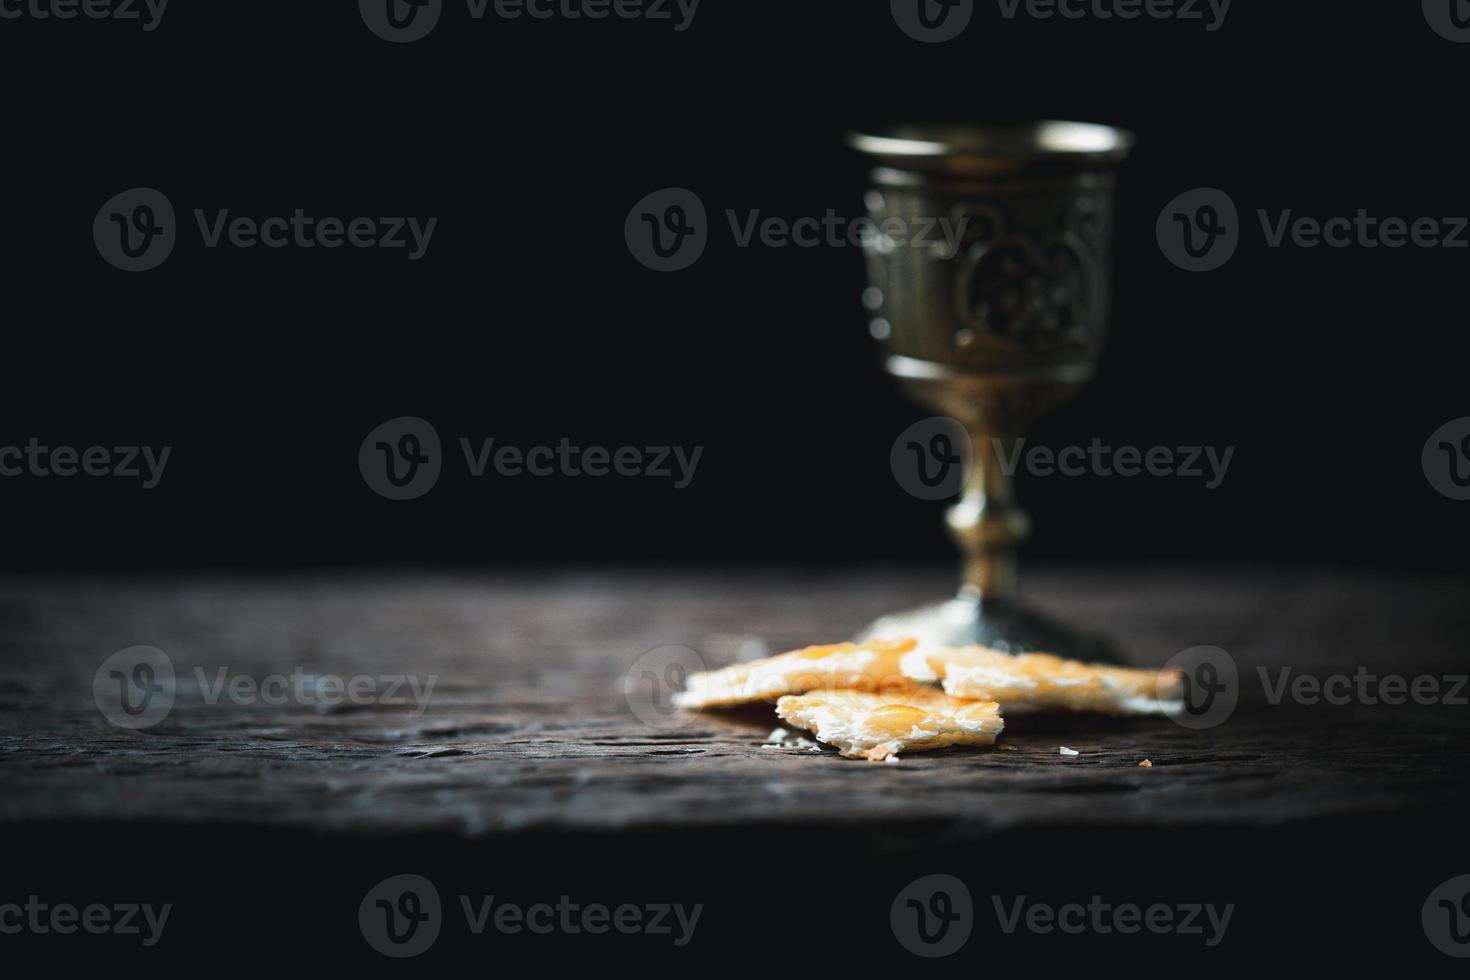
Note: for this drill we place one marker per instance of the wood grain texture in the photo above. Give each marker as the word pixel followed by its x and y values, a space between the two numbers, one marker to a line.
pixel 529 725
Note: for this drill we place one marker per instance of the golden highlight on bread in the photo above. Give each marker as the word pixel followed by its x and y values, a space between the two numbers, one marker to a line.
pixel 879 726
pixel 859 666
pixel 1046 681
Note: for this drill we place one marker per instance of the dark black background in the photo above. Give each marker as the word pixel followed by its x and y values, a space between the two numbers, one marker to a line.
pixel 529 321
pixel 1327 895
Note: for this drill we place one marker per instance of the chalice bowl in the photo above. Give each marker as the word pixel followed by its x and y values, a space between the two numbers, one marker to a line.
pixel 1000 322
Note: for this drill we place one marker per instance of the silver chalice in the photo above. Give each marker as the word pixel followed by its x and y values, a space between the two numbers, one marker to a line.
pixel 994 331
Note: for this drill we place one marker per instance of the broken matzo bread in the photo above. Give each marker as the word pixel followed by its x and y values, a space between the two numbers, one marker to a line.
pixel 1046 681
pixel 870 666
pixel 875 726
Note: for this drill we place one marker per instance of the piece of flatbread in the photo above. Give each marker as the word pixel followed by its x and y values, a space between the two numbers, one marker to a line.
pixel 863 666
pixel 1043 680
pixel 875 726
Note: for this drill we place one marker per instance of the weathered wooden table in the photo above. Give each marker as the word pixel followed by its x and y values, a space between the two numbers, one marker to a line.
pixel 528 745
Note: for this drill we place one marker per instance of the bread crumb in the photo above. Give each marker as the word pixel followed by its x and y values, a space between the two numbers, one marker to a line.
pixel 1067 751
pixel 1146 764
pixel 777 735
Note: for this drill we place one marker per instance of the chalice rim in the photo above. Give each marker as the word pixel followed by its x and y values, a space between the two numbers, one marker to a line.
pixel 979 146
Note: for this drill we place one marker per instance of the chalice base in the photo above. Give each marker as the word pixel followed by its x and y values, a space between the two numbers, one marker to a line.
pixel 1001 623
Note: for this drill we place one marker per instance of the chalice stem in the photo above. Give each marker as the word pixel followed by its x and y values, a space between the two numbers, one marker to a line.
pixel 986 522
